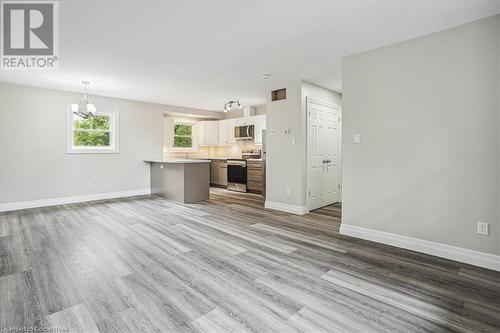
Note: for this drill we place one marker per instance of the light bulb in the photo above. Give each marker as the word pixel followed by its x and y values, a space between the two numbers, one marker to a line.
pixel 91 108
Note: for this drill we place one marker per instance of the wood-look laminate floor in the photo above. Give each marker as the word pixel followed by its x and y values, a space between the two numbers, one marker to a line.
pixel 226 265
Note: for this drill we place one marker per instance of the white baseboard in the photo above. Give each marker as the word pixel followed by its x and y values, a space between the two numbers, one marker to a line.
pixel 73 199
pixel 467 256
pixel 282 207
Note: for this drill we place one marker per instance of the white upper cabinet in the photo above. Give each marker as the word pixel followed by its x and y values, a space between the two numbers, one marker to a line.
pixel 231 124
pixel 220 133
pixel 208 133
pixel 222 126
pixel 259 123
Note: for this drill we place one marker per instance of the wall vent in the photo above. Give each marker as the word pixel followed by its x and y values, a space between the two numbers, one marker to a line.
pixel 278 95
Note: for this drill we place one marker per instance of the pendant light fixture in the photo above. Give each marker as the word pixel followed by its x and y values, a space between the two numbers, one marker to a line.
pixel 229 105
pixel 85 108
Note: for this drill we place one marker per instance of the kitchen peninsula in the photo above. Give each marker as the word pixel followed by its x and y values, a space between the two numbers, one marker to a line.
pixel 183 180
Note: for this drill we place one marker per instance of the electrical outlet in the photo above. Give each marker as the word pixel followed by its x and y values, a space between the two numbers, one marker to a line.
pixel 287 191
pixel 357 138
pixel 483 228
pixel 88 184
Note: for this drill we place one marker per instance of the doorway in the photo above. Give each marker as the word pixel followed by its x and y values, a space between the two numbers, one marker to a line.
pixel 323 154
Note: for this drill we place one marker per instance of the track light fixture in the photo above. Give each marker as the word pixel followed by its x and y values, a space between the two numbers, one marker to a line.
pixel 229 105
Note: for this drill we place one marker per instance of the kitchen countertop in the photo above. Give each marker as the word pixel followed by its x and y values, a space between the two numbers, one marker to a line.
pixel 178 161
pixel 232 158
pixel 219 158
pixel 202 159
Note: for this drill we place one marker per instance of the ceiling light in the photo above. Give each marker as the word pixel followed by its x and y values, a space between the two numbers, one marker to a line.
pixel 229 105
pixel 84 108
pixel 265 76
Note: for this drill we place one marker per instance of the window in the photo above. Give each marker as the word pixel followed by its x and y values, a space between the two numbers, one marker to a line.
pixel 97 134
pixel 183 136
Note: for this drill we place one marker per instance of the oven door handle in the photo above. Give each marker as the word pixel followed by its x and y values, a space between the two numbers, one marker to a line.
pixel 242 164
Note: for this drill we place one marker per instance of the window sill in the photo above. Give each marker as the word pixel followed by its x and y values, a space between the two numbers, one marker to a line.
pixel 93 151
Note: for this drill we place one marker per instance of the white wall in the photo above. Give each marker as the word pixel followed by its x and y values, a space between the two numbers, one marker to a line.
pixel 284 161
pixel 33 160
pixel 286 154
pixel 428 113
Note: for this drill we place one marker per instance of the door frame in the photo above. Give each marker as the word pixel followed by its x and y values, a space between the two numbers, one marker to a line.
pixel 309 143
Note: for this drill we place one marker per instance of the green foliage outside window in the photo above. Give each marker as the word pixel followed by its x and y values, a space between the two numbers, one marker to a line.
pixel 183 136
pixel 183 130
pixel 91 132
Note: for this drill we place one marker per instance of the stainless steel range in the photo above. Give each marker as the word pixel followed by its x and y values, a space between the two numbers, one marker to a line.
pixel 237 175
pixel 237 170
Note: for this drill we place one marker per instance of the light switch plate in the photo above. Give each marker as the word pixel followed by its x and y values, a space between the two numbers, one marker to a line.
pixel 483 228
pixel 357 138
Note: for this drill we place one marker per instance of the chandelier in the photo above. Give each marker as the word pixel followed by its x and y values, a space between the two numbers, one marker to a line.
pixel 85 108
pixel 229 105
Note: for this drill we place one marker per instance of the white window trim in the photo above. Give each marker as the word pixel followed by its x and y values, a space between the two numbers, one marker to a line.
pixel 184 149
pixel 114 134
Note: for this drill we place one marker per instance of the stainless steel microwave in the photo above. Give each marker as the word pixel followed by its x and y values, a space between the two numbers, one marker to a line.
pixel 244 132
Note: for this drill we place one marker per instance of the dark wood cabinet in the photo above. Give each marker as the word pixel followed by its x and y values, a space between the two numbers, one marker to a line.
pixel 218 173
pixel 223 173
pixel 255 176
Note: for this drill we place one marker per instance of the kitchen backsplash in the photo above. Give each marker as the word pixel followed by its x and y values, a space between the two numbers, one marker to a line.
pixel 215 151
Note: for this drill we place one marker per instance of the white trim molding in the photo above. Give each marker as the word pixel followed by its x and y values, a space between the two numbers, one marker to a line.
pixel 287 208
pixel 467 256
pixel 5 207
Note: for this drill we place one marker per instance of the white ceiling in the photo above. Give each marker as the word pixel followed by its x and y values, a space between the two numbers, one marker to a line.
pixel 202 54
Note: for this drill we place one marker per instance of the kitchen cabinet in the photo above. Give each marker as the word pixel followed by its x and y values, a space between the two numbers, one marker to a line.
pixel 226 131
pixel 231 124
pixel 223 173
pixel 208 133
pixel 218 173
pixel 223 132
pixel 259 123
pixel 214 133
pixel 255 176
pixel 214 172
